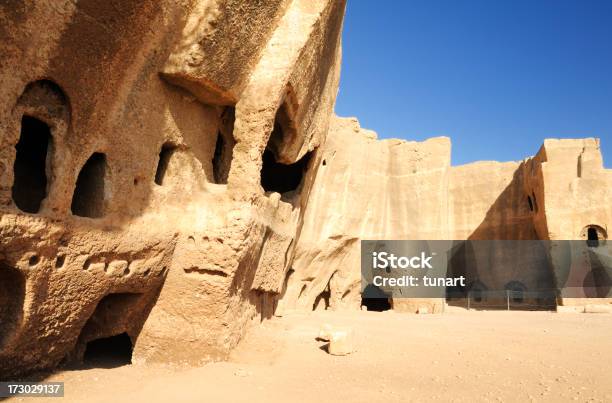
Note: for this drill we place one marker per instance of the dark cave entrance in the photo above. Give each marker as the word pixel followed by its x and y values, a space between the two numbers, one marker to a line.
pixel 376 304
pixel 517 296
pixel 105 340
pixel 165 155
pixel 516 291
pixel 279 177
pixel 478 291
pixel 278 172
pixel 530 203
pixel 222 159
pixel 88 198
pixel 592 237
pixel 217 160
pixel 374 299
pixel 109 352
pixel 30 168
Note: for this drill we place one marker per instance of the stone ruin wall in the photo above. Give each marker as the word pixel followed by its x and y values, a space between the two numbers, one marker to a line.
pixel 192 177
pixel 395 189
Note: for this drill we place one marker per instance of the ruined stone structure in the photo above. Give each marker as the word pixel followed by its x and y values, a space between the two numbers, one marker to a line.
pixel 365 189
pixel 165 178
pixel 392 189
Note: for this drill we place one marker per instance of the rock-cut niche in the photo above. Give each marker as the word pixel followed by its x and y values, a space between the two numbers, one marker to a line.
pixel 165 154
pixel 277 173
pixel 88 197
pixel 594 234
pixel 516 291
pixel 375 299
pixel 30 168
pixel 105 335
pixel 109 352
pixel 41 107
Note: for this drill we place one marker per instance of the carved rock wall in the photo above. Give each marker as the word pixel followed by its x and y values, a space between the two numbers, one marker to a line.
pixel 393 189
pixel 365 189
pixel 156 160
pixel 171 170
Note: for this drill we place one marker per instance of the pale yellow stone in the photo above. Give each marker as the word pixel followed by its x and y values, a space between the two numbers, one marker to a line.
pixel 341 342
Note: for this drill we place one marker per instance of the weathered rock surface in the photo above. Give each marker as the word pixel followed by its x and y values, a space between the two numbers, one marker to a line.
pixel 365 189
pixel 392 189
pixel 171 170
pixel 156 159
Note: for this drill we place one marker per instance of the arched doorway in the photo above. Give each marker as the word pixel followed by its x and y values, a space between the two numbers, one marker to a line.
pixel 593 234
pixel 516 291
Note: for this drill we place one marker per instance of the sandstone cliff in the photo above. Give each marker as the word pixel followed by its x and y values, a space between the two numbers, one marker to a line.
pixel 365 189
pixel 156 159
pixel 170 171
pixel 392 189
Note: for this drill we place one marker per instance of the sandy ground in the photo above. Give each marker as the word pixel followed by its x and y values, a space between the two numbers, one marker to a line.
pixel 461 356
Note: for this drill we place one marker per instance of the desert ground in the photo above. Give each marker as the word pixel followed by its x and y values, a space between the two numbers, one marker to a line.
pixel 460 356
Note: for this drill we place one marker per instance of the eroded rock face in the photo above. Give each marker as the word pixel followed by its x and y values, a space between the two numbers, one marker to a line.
pixel 393 189
pixel 134 138
pixel 171 170
pixel 365 189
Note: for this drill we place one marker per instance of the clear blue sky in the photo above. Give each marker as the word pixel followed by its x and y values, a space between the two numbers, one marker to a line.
pixel 496 76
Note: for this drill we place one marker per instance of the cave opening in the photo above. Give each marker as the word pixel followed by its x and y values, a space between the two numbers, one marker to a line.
pixel 30 168
pixel 109 352
pixel 88 198
pixel 217 159
pixel 376 304
pixel 517 296
pixel 375 299
pixel 278 172
pixel 222 159
pixel 530 203
pixel 282 178
pixel 165 155
pixel 592 237
pixel 477 292
pixel 516 291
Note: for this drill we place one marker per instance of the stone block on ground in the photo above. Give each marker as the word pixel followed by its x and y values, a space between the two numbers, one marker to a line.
pixel 341 342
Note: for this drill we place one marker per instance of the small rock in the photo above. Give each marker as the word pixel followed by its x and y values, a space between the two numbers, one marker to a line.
pixel 341 342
